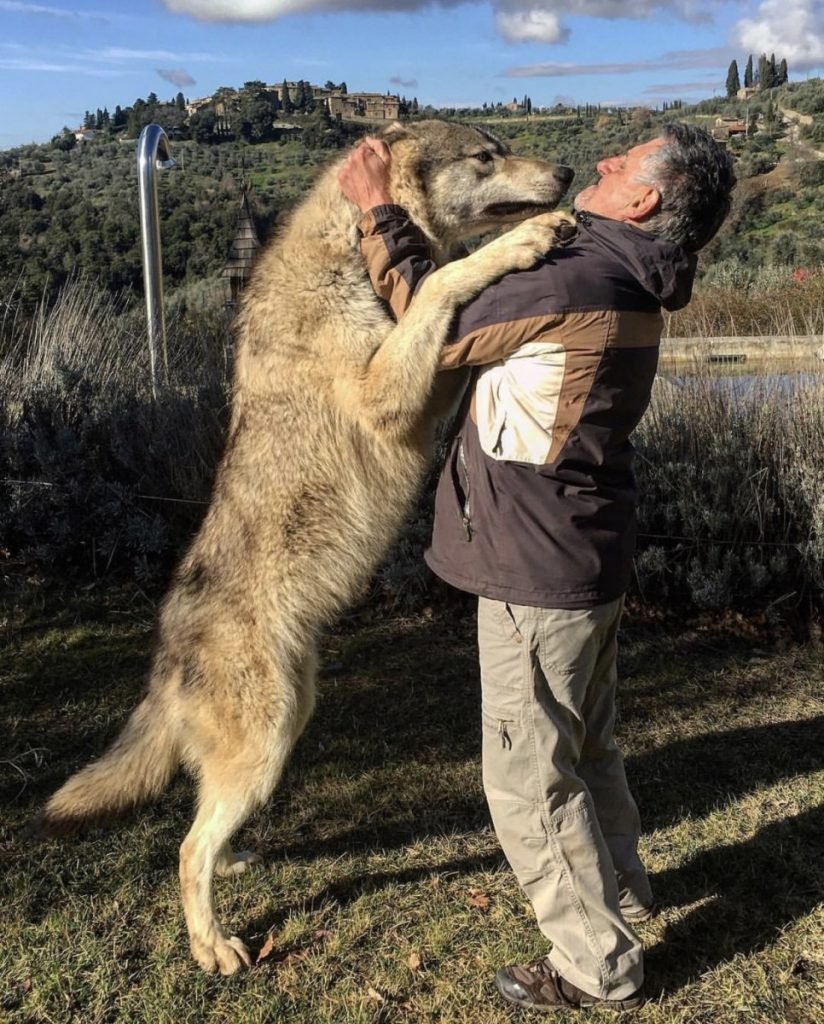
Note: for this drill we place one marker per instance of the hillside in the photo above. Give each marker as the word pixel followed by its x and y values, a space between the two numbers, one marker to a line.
pixel 67 212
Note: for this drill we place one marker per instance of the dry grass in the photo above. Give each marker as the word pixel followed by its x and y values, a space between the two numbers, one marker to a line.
pixel 766 302
pixel 378 840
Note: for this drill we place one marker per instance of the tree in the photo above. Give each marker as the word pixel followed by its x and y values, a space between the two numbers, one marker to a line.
pixel 65 141
pixel 299 99
pixel 773 72
pixel 749 78
pixel 783 73
pixel 255 112
pixel 285 98
pixel 180 101
pixel 765 79
pixel 88 119
pixel 203 125
pixel 733 81
pixel 769 114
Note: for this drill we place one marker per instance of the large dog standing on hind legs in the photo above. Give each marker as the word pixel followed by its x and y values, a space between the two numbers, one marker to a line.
pixel 330 435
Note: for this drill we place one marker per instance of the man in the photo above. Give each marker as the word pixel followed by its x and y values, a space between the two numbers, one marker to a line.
pixel 535 513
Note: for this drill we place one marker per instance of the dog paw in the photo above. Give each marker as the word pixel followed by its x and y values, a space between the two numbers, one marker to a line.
pixel 547 231
pixel 561 227
pixel 238 863
pixel 225 954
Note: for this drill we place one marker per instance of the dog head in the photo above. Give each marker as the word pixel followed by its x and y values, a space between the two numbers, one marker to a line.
pixel 458 181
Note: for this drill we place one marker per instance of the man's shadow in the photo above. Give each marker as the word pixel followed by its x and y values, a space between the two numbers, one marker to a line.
pixel 752 891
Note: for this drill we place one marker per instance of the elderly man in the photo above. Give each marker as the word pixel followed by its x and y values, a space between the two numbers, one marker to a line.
pixel 535 514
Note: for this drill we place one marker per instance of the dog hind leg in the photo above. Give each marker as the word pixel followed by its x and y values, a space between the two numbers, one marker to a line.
pixel 234 783
pixel 230 862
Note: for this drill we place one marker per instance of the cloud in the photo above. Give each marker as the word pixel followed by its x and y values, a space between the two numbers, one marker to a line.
pixel 49 67
pixel 703 85
pixel 520 21
pixel 793 29
pixel 531 26
pixel 407 83
pixel 177 76
pixel 116 53
pixel 43 10
pixel 677 60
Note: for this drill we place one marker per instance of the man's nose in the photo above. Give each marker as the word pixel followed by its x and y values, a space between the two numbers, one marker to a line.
pixel 608 165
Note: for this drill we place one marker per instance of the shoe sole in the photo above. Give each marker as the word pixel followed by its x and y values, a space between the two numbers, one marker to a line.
pixel 640 916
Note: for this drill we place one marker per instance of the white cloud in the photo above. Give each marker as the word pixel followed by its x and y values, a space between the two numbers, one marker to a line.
pixel 680 60
pixel 117 53
pixel 43 10
pixel 50 67
pixel 531 26
pixel 793 29
pixel 517 20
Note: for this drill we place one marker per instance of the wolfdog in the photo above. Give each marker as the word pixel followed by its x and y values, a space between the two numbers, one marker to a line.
pixel 329 437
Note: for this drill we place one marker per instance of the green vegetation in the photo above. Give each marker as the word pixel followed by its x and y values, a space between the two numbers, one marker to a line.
pixel 72 211
pixel 98 481
pixel 384 892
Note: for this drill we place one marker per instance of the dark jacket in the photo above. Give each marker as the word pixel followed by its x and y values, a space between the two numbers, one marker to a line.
pixel 536 501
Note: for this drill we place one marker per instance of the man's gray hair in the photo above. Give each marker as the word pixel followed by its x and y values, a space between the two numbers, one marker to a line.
pixel 695 177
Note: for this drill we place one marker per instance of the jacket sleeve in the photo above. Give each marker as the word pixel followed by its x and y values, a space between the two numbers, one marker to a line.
pixel 397 254
pixel 398 260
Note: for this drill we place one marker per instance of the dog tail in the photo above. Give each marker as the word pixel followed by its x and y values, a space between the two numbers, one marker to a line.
pixel 137 767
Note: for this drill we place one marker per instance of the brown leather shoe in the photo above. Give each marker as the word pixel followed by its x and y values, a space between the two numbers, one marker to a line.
pixel 539 985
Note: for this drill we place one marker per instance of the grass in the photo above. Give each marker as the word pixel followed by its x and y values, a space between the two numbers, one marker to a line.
pixel 384 892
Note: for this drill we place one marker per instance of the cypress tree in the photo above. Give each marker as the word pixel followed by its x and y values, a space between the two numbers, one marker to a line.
pixel 285 98
pixel 733 81
pixel 783 74
pixel 749 79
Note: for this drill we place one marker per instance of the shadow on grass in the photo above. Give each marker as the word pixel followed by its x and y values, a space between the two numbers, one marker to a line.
pixel 408 695
pixel 408 699
pixel 759 887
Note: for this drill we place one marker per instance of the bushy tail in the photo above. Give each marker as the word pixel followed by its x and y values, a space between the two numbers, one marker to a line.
pixel 136 767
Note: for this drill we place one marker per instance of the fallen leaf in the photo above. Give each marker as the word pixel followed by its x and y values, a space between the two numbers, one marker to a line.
pixel 374 994
pixel 414 961
pixel 267 948
pixel 479 900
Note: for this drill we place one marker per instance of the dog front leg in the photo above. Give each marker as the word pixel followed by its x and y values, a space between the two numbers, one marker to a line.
pixel 398 381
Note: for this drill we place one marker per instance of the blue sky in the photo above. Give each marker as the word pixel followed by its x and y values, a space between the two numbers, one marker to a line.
pixel 59 58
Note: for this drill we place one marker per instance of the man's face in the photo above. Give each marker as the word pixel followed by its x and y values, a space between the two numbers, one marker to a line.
pixel 619 194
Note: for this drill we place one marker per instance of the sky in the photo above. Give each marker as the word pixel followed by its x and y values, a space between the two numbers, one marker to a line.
pixel 60 58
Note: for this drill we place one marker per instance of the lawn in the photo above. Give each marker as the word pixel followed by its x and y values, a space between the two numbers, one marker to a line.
pixel 384 897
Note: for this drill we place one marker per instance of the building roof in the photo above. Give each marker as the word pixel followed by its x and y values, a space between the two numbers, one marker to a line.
pixel 246 242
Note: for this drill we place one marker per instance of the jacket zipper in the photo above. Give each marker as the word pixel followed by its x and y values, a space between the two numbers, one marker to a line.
pixel 466 512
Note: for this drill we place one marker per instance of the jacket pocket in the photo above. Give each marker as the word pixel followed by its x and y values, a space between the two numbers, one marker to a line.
pixel 462 487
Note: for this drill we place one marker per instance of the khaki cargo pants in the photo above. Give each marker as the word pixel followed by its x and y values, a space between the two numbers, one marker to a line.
pixel 556 786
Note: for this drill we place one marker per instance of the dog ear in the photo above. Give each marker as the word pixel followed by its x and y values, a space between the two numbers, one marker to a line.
pixel 395 132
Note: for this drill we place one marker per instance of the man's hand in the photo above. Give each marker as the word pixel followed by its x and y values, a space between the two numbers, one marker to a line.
pixel 364 178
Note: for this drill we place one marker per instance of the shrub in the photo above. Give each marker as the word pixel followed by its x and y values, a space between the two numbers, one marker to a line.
pixel 98 479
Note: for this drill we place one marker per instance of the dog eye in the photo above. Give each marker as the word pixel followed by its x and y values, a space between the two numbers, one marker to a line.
pixel 484 156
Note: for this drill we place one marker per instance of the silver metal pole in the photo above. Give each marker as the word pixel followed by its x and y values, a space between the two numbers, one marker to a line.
pixel 152 155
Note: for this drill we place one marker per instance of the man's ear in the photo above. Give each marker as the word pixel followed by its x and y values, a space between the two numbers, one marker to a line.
pixel 645 204
pixel 395 132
